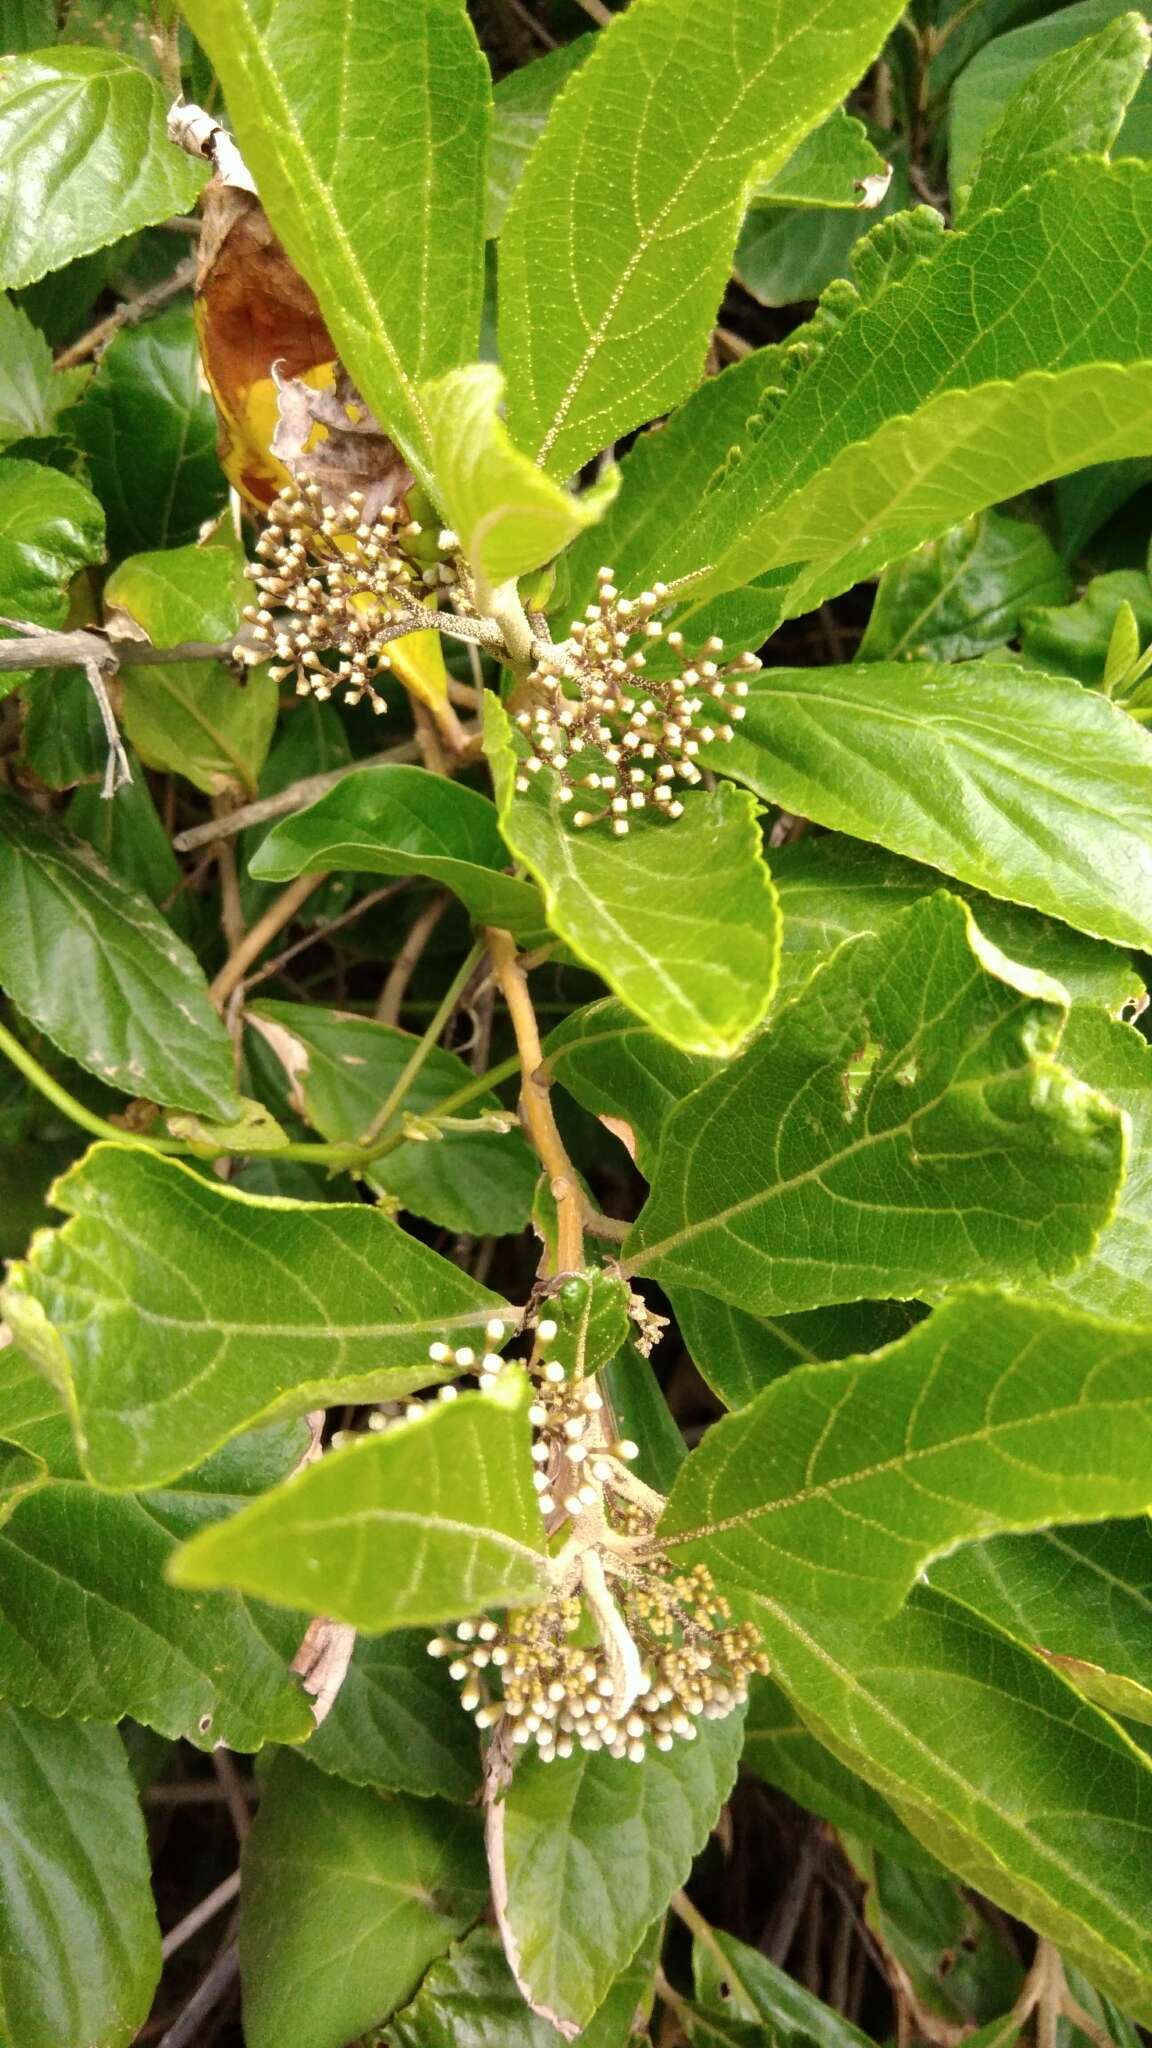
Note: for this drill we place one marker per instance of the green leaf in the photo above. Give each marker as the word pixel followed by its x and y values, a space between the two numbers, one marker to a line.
pixel 839 1483
pixel 268 1307
pixel 194 718
pixel 469 1999
pixel 397 1725
pixel 901 1126
pixel 347 1898
pixel 521 104
pixel 872 451
pixel 1074 102
pixel 591 1854
pixel 666 469
pixel 653 205
pixel 32 394
pixel 403 821
pixel 121 1641
pixel 1116 1279
pixel 375 185
pixel 835 165
pixel 432 1519
pixel 79 1944
pixel 779 1748
pixel 148 431
pixel 641 1413
pixel 85 158
pixel 739 1354
pixel 21 1472
pixel 616 1067
pixel 94 965
pixel 833 888
pixel 963 594
pixel 681 923
pixel 1085 500
pixel 63 741
pixel 746 1984
pixel 129 837
pixel 1024 785
pixel 50 528
pixel 509 515
pixel 1025 1791
pixel 1009 63
pixel 342 1071
pixel 1073 639
pixel 29 24
pixel 590 1314
pixel 1076 1596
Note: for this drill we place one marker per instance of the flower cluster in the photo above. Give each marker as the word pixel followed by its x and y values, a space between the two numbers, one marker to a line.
pixel 605 727
pixel 621 1655
pixel 542 1669
pixel 341 580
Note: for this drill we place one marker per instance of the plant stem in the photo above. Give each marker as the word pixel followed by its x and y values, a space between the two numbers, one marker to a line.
pixel 536 1104
pixel 408 958
pixel 252 943
pixel 420 1052
pixel 75 1111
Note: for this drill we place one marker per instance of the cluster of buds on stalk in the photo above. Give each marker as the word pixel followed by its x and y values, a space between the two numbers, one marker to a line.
pixel 337 581
pixel 627 1650
pixel 605 727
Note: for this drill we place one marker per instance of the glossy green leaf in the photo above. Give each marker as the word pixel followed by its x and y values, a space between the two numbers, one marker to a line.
pixel 403 821
pixel 1074 102
pixel 838 1484
pixel 589 1312
pixel 385 218
pixel 1073 639
pixel 1116 1279
pixel 780 1748
pixel 653 206
pixel 63 741
pixel 347 1898
pixel 342 1070
pixel 964 594
pixel 32 394
pixel 742 1982
pixel 902 1125
pixel 79 1944
pixel 129 837
pixel 121 1641
pixel 509 515
pixel 1009 63
pixel 1021 1788
pixel 195 718
pixel 740 1354
pixel 835 165
pixel 616 1067
pixel 832 888
pixel 521 104
pixel 268 1307
pixel 94 965
pixel 429 1520
pixel 872 451
pixel 469 1999
pixel 681 921
pixel 592 1850
pixel 84 158
pixel 397 1724
pixel 1078 1596
pixel 50 528
pixel 1023 785
pixel 148 431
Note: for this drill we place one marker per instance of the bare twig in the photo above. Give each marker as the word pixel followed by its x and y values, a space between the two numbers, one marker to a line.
pixel 321 932
pixel 597 12
pixel 75 649
pixel 129 313
pixel 200 1915
pixel 251 944
pixel 235 1792
pixel 185 2031
pixel 538 29
pixel 407 959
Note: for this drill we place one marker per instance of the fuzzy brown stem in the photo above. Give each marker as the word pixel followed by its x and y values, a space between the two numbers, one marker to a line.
pixel 536 1104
